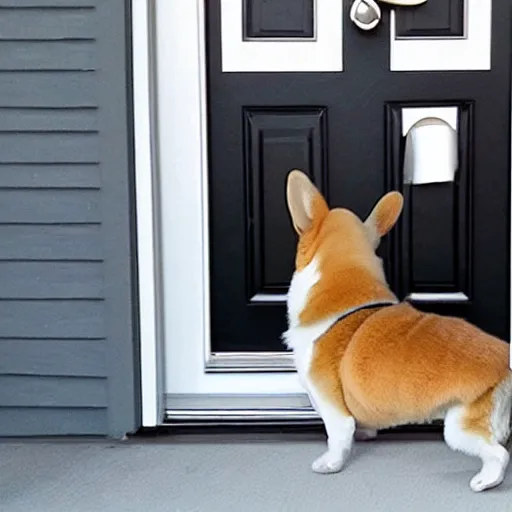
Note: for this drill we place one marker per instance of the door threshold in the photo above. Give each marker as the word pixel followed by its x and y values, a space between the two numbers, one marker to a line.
pixel 218 410
pixel 247 362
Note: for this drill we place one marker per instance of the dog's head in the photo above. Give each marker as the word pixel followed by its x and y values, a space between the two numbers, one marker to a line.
pixel 338 234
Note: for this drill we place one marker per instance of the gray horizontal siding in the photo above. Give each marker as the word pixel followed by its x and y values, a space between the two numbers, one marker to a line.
pixel 52 279
pixel 42 175
pixel 48 89
pixel 19 421
pixel 68 5
pixel 47 357
pixel 43 242
pixel 47 55
pixel 52 319
pixel 50 206
pixel 67 352
pixel 41 147
pixel 45 24
pixel 39 391
pixel 48 120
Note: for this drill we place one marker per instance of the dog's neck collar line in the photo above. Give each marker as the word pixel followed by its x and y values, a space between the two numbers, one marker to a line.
pixel 361 307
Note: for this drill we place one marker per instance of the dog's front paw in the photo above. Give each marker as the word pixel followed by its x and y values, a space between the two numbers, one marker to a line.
pixel 328 463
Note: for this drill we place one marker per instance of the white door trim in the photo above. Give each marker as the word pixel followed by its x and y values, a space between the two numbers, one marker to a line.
pixel 147 243
pixel 183 178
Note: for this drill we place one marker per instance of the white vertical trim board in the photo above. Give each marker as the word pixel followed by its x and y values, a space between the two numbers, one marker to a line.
pixel 183 168
pixel 473 52
pixel 152 399
pixel 324 53
pixel 205 201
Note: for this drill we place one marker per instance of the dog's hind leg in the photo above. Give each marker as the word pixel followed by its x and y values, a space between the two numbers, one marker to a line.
pixel 481 429
pixel 326 393
pixel 340 428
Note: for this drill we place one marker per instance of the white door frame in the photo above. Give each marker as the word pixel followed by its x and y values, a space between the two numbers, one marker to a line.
pixel 181 183
pixel 151 341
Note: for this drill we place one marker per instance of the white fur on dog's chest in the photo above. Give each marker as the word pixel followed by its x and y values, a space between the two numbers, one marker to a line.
pixel 299 338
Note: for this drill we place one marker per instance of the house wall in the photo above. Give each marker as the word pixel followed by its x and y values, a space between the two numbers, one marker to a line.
pixel 67 335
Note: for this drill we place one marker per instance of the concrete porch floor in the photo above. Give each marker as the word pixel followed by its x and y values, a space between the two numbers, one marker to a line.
pixel 239 473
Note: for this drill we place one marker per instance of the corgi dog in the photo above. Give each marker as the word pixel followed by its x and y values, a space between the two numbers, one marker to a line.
pixel 368 361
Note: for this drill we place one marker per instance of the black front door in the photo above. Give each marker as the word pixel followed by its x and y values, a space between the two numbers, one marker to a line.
pixel 347 128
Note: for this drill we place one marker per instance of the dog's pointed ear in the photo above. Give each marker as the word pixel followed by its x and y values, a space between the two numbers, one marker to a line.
pixel 305 203
pixel 384 216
